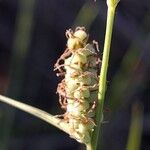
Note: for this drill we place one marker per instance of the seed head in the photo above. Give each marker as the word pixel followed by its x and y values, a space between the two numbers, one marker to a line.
pixel 78 90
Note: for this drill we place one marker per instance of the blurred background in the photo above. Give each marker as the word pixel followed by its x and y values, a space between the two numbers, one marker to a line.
pixel 32 37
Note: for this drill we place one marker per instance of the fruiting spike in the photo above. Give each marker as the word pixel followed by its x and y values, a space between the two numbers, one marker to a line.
pixel 78 90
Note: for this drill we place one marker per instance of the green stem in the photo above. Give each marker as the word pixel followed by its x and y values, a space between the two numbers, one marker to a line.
pixel 103 73
pixel 37 112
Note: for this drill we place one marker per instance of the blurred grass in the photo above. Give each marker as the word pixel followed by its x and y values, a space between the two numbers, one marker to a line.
pixel 135 132
pixel 22 38
pixel 130 75
pixel 86 15
pixel 129 82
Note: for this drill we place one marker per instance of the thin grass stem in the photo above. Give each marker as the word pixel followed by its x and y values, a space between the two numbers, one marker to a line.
pixel 37 113
pixel 103 73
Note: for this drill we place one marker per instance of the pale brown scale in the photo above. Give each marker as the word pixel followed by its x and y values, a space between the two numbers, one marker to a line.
pixel 80 28
pixel 60 74
pixel 62 94
pixel 97 65
pixel 93 107
pixel 87 120
pixel 75 74
pixel 62 66
pixel 98 61
pixel 93 87
pixel 84 119
pixel 59 67
pixel 82 74
pixel 63 102
pixel 96 46
pixel 66 54
pixel 61 87
pixel 79 102
pixel 60 101
pixel 69 33
pixel 63 117
pixel 90 74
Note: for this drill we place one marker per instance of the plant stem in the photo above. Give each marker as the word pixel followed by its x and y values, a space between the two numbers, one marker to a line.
pixel 89 146
pixel 103 73
pixel 37 112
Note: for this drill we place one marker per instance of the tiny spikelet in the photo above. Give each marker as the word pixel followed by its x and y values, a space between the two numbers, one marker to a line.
pixel 78 90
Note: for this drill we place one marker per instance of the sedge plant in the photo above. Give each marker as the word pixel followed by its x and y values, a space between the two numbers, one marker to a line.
pixel 82 91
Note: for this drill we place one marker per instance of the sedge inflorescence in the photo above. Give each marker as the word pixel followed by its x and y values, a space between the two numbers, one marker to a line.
pixel 79 64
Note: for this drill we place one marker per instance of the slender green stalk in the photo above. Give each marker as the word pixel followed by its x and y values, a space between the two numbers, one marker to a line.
pixel 37 112
pixel 103 73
